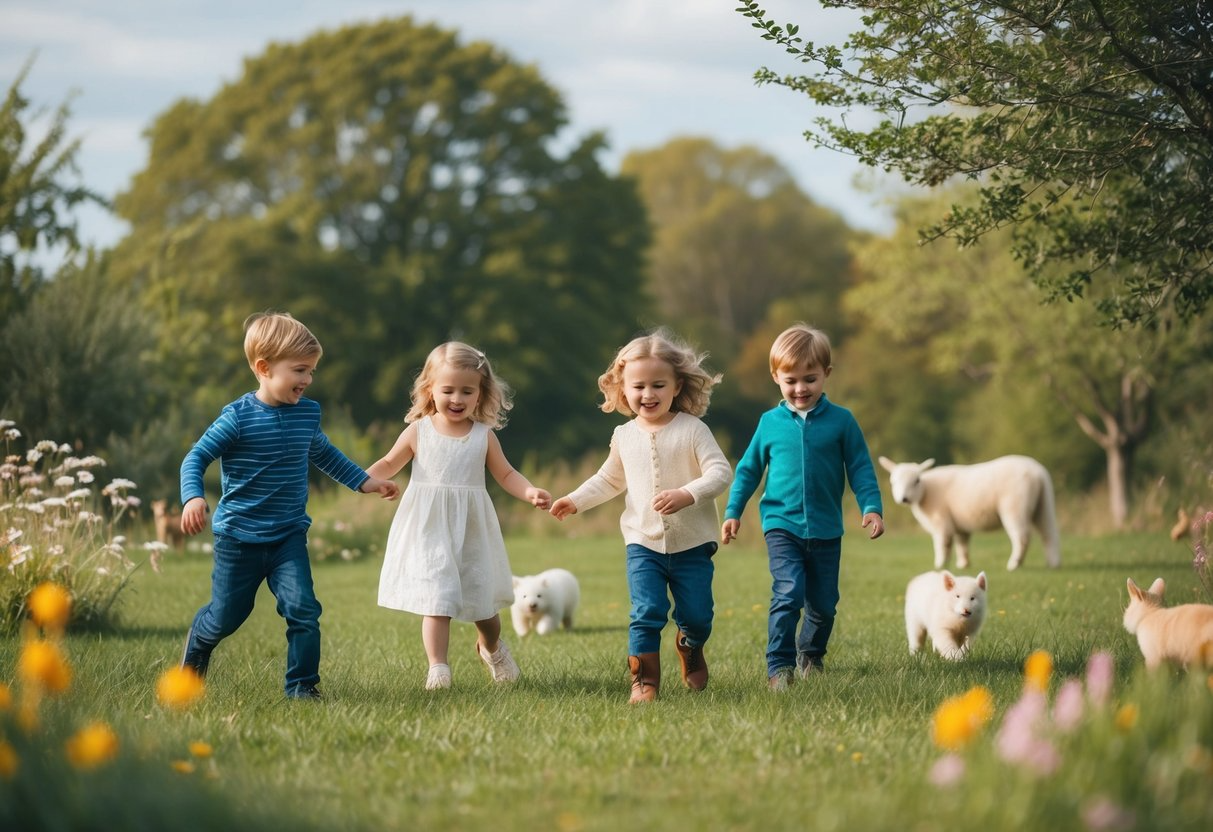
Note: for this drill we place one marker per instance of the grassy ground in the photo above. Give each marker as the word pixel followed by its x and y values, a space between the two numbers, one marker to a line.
pixel 562 749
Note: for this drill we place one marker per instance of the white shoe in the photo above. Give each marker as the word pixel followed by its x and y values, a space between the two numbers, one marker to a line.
pixel 501 664
pixel 439 677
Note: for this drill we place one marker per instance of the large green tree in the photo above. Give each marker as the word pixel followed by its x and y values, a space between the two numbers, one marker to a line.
pixel 77 363
pixel 1088 123
pixel 733 233
pixel 393 187
pixel 39 188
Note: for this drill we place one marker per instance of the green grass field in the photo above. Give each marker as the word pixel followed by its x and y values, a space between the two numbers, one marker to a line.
pixel 563 749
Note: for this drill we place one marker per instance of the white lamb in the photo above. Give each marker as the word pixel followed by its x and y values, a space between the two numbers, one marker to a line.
pixel 953 501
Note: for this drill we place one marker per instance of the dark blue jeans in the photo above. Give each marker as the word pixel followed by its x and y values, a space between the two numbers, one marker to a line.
pixel 652 578
pixel 237 575
pixel 804 575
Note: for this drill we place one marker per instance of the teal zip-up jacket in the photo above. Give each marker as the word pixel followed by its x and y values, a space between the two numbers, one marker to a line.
pixel 807 464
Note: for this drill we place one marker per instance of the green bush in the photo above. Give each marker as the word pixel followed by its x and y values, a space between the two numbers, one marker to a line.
pixel 57 522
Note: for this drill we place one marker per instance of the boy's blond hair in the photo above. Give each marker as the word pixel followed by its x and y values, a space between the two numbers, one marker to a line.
pixel 496 398
pixel 697 382
pixel 275 336
pixel 800 343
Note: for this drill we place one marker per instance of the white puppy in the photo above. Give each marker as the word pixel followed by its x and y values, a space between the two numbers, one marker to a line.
pixel 544 599
pixel 948 608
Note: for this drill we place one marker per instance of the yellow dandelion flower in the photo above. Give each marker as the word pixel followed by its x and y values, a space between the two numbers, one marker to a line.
pixel 179 687
pixel 201 750
pixel 6 698
pixel 1037 669
pixel 50 605
pixel 92 746
pixel 959 719
pixel 182 766
pixel 8 760
pixel 857 757
pixel 43 666
pixel 1126 717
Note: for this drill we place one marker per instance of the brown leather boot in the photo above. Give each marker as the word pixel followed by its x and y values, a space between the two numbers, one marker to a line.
pixel 646 676
pixel 694 665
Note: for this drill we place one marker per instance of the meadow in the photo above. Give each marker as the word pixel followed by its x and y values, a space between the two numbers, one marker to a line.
pixel 562 749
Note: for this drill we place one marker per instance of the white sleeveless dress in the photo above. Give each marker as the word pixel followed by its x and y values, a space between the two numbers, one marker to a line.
pixel 445 553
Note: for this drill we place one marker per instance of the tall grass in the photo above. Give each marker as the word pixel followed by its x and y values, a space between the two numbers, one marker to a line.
pixel 562 749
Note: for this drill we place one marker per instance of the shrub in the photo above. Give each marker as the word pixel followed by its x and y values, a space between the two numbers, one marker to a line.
pixel 58 524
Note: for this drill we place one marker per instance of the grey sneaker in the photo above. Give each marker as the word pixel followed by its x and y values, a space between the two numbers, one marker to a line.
pixel 781 679
pixel 501 664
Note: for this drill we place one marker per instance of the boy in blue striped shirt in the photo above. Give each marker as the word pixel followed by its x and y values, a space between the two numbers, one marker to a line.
pixel 809 448
pixel 265 442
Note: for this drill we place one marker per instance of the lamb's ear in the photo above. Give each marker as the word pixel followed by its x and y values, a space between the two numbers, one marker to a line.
pixel 948 580
pixel 922 466
pixel 517 580
pixel 1134 590
pixel 543 584
pixel 981 580
pixel 1158 587
pixel 887 464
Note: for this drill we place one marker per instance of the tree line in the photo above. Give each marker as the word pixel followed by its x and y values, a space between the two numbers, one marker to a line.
pixel 395 187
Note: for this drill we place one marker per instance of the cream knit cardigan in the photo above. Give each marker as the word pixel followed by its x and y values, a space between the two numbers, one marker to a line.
pixel 681 454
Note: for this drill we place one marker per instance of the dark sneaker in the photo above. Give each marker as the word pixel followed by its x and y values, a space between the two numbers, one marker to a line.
pixel 198 659
pixel 313 693
pixel 807 665
pixel 781 679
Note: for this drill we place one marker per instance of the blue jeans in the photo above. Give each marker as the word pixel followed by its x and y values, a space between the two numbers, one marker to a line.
pixel 804 575
pixel 237 575
pixel 687 576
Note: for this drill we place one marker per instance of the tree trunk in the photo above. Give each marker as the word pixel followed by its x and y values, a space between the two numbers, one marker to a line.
pixel 1118 484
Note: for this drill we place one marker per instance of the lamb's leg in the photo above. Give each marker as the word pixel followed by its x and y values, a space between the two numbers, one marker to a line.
pixel 962 551
pixel 1019 544
pixel 949 646
pixel 545 625
pixel 916 634
pixel 519 619
pixel 943 548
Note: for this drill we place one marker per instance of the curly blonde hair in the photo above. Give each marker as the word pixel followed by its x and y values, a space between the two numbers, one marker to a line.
pixel 496 398
pixel 800 344
pixel 697 382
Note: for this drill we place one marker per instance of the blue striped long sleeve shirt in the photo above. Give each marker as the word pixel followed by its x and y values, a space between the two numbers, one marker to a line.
pixel 263 455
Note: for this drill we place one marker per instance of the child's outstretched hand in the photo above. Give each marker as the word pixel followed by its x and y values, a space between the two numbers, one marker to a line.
pixel 562 508
pixel 539 498
pixel 671 501
pixel 876 522
pixel 386 489
pixel 729 530
pixel 193 516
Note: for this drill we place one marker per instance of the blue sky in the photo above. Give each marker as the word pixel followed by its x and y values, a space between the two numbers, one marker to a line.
pixel 643 71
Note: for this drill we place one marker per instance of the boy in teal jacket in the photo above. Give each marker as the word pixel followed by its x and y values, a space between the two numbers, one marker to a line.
pixel 809 448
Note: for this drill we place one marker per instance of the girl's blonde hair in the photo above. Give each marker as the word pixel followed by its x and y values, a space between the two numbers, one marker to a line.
pixel 800 344
pixel 697 382
pixel 496 398
pixel 275 336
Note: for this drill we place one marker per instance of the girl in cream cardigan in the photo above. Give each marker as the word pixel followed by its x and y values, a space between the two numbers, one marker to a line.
pixel 669 464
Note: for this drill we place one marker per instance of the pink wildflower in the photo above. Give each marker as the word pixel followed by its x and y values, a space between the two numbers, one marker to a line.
pixel 1067 710
pixel 1100 669
pixel 947 770
pixel 1101 814
pixel 1017 736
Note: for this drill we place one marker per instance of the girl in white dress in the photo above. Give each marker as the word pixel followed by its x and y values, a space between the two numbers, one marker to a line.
pixel 445 555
